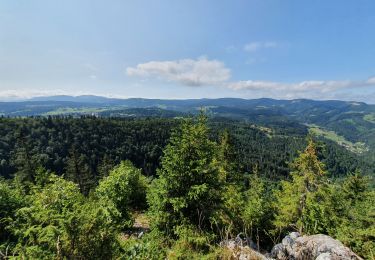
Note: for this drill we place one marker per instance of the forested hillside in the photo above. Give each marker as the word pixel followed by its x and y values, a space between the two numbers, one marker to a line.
pixel 352 122
pixel 97 144
pixel 156 188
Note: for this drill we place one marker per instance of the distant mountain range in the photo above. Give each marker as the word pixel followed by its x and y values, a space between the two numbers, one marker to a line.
pixel 351 124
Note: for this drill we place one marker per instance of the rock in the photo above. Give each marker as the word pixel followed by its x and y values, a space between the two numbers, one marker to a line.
pixel 294 235
pixel 240 249
pixel 324 256
pixel 288 243
pixel 278 252
pixel 319 247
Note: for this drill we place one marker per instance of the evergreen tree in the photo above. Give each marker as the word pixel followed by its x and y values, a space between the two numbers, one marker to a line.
pixel 295 195
pixel 257 212
pixel 356 226
pixel 228 159
pixel 24 158
pixel 105 166
pixel 78 171
pixel 190 186
pixel 355 187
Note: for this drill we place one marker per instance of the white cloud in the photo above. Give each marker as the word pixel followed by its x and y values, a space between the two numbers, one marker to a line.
pixel 256 46
pixel 204 72
pixel 199 72
pixel 9 95
pixel 312 89
pixel 371 81
pixel 322 86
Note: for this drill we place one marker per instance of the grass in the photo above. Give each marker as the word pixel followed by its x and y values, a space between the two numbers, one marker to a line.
pixel 81 110
pixel 266 130
pixel 357 147
pixel 370 118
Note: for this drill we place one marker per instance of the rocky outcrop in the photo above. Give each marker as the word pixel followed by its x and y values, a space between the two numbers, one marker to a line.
pixel 242 249
pixel 318 247
pixel 292 247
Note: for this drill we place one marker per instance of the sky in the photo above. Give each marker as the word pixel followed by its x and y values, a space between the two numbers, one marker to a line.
pixel 282 49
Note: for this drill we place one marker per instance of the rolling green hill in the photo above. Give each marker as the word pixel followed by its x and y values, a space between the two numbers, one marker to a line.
pixel 349 124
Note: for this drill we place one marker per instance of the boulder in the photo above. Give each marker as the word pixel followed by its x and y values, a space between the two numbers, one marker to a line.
pixel 240 249
pixel 319 247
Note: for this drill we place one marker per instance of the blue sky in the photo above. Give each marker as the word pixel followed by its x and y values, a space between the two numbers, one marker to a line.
pixel 188 49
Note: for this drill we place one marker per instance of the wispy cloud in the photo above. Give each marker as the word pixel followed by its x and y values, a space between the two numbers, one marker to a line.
pixel 333 89
pixel 371 81
pixel 14 95
pixel 321 86
pixel 256 46
pixel 204 72
pixel 190 72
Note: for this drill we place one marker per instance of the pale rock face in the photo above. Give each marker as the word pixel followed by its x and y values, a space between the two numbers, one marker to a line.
pixel 293 247
pixel 324 256
pixel 319 247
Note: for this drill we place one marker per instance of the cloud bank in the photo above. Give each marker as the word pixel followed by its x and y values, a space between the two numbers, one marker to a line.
pixel 205 72
pixel 200 72
pixel 321 86
pixel 256 46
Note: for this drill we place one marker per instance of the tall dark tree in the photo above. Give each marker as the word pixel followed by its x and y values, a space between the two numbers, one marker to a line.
pixel 78 171
pixel 25 159
pixel 293 198
pixel 190 185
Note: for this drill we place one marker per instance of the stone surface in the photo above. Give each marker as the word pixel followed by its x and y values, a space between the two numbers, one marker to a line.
pixel 293 247
pixel 319 247
pixel 241 249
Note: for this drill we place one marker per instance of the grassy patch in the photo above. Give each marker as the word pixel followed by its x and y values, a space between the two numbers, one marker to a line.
pixel 370 118
pixel 357 147
pixel 81 110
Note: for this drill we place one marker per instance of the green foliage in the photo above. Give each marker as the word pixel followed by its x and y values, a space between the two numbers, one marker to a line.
pixel 311 204
pixel 152 246
pixel 295 196
pixel 228 221
pixel 203 193
pixel 355 215
pixel 58 222
pixel 39 225
pixel 190 186
pixel 126 188
pixel 257 212
pixel 346 211
pixel 11 200
pixel 102 143
pixel 78 171
pixel 94 144
pixel 90 231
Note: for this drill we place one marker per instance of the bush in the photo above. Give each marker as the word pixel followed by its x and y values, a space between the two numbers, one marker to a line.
pixel 58 222
pixel 126 188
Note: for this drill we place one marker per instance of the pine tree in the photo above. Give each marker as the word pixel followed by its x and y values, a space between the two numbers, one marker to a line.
pixel 255 214
pixel 24 159
pixel 105 166
pixel 295 195
pixel 190 185
pixel 78 171
pixel 228 159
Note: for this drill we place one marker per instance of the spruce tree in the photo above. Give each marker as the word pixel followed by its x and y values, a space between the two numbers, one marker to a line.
pixel 78 171
pixel 190 186
pixel 24 158
pixel 296 195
